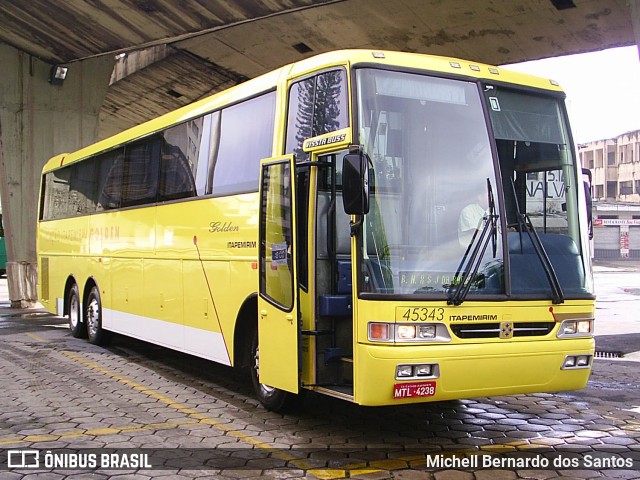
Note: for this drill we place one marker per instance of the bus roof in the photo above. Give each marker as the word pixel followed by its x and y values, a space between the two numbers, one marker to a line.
pixel 434 63
pixel 269 81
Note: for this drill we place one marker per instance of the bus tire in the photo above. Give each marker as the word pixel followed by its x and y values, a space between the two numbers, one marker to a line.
pixel 271 398
pixel 96 334
pixel 77 327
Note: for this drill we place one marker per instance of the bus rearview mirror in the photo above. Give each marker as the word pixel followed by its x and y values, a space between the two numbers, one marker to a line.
pixel 355 184
pixel 589 199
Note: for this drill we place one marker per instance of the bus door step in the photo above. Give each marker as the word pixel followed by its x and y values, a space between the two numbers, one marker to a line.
pixel 316 333
pixel 335 354
pixel 332 354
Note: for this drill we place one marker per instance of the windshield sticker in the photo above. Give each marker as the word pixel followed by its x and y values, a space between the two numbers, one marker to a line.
pixel 495 105
pixel 279 254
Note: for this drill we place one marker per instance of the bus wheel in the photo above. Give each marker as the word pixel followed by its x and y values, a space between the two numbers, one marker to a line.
pixel 77 328
pixel 96 334
pixel 271 398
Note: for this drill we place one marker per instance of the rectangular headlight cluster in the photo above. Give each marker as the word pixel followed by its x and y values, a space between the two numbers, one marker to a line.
pixel 419 371
pixel 407 332
pixel 576 328
pixel 574 362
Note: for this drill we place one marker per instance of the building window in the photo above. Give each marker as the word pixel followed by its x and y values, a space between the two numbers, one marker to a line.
pixel 599 157
pixel 599 191
pixel 587 159
pixel 611 158
pixel 626 188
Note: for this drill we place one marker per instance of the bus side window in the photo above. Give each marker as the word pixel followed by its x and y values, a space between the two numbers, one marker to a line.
pixel 186 151
pixel 317 105
pixel 140 179
pixel 111 167
pixel 85 182
pixel 246 137
pixel 176 178
pixel 56 187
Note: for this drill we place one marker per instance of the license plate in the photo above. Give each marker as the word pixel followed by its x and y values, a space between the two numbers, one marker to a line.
pixel 413 390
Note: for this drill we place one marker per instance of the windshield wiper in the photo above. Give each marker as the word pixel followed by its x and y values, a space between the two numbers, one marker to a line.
pixel 524 222
pixel 472 258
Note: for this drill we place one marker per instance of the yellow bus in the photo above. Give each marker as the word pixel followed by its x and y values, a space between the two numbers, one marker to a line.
pixel 381 227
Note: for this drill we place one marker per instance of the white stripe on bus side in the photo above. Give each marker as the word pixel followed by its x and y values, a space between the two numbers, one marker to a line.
pixel 195 341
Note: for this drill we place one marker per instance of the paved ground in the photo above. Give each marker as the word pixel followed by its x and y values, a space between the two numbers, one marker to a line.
pixel 190 418
pixel 617 307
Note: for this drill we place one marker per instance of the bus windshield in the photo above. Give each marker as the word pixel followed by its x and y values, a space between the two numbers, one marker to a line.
pixel 438 218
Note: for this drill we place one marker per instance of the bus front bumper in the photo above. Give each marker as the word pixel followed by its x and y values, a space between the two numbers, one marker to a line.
pixel 469 370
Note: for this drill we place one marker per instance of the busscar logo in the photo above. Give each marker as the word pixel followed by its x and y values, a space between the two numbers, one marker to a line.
pixel 23 459
pixel 319 142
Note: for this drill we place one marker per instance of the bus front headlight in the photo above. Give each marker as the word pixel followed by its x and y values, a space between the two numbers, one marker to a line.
pixel 576 328
pixel 427 331
pixel 574 362
pixel 407 332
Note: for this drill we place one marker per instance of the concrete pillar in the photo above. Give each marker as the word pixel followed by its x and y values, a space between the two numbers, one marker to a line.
pixel 634 7
pixel 38 120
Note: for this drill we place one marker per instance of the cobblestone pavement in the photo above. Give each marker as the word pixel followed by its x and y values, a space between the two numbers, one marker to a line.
pixel 59 392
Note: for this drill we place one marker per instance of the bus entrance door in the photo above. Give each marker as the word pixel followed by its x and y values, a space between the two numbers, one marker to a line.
pixel 333 282
pixel 278 322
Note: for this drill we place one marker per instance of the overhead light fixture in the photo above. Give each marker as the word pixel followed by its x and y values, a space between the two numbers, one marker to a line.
pixel 563 4
pixel 57 74
pixel 302 47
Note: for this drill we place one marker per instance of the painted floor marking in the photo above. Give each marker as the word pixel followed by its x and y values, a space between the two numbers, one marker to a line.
pixel 370 467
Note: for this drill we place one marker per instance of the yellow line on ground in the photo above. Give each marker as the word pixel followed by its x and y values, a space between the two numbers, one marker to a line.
pixel 323 474
pixel 201 418
pixel 94 432
pixel 36 337
pixel 632 425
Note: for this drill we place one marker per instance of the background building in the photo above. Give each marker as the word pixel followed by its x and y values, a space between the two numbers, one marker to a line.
pixel 615 165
